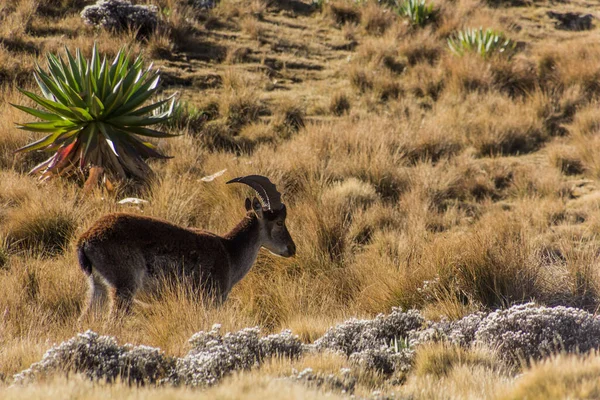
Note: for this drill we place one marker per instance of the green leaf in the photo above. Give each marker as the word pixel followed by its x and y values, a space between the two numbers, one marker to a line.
pixel 55 67
pixel 51 85
pixel 50 126
pixel 154 106
pixel 38 113
pixel 89 136
pixel 113 100
pixel 97 106
pixel 138 130
pixel 144 93
pixel 110 136
pixel 40 144
pixel 45 91
pixel 82 114
pixel 51 105
pixel 136 121
pixel 74 97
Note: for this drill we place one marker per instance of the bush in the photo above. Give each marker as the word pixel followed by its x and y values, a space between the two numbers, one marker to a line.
pixel 354 336
pixel 214 356
pixel 121 15
pixel 386 345
pixel 384 360
pixel 101 358
pixel 526 332
pixel 460 332
pixel 339 105
pixel 520 333
pixel 46 232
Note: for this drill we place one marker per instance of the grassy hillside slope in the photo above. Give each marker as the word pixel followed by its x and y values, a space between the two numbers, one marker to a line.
pixel 413 177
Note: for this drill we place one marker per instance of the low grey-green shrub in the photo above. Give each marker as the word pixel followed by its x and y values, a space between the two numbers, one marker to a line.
pixel 386 344
pixel 526 332
pixel 354 335
pixel 101 358
pixel 121 15
pixel 214 356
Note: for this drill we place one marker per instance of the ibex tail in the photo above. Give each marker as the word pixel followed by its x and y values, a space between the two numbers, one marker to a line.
pixel 84 261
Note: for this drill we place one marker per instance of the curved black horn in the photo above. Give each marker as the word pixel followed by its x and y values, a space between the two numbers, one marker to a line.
pixel 265 189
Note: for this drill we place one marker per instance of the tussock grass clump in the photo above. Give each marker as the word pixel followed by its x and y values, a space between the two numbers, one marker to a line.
pixel 343 12
pixel 375 19
pixel 586 121
pixel 567 161
pixel 361 79
pixel 496 267
pixel 424 48
pixel 562 376
pixel 380 54
pixel 559 71
pixel 39 231
pixel 252 27
pixel 3 253
pixel 289 119
pixel 339 104
pixel 15 70
pixel 439 359
pixel 238 55
pixel 239 108
pixel 349 194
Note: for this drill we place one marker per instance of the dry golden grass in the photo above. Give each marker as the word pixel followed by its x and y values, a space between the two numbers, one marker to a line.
pixel 561 377
pixel 413 178
pixel 247 386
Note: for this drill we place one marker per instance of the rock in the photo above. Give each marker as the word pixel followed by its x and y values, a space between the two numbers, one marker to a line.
pixel 571 21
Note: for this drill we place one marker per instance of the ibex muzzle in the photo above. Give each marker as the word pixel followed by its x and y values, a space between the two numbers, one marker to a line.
pixel 122 250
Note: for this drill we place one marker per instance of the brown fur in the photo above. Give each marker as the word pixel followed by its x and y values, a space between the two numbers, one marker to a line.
pixel 122 250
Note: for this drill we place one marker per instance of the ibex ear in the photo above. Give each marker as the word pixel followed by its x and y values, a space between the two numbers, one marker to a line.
pixel 248 204
pixel 257 207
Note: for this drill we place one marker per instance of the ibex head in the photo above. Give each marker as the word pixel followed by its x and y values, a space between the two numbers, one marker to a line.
pixel 271 215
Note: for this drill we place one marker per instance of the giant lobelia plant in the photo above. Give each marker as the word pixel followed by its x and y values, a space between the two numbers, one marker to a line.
pixel 95 118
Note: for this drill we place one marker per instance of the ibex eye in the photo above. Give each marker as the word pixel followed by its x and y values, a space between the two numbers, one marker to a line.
pixel 279 223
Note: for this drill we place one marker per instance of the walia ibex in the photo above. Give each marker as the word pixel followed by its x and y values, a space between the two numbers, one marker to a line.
pixel 120 251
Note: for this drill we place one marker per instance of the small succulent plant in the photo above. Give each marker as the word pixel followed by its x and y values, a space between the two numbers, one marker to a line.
pixel 485 43
pixel 418 12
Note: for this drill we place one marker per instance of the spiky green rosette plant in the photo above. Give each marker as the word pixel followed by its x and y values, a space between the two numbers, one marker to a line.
pixel 484 43
pixel 94 116
pixel 417 12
